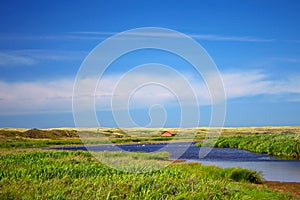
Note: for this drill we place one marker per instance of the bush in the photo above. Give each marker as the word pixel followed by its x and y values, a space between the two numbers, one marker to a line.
pixel 245 175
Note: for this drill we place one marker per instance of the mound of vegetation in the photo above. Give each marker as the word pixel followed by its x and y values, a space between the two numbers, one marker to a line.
pixel 52 134
pixel 36 137
pixel 37 133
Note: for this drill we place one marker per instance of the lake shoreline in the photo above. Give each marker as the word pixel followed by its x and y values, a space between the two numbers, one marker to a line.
pixel 290 187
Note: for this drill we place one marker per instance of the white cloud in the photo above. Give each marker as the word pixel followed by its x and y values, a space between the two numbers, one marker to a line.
pixel 56 96
pixel 248 83
pixel 142 90
pixel 35 97
pixel 251 83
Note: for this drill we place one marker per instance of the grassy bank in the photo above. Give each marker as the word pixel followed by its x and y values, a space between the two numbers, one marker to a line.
pixel 279 144
pixel 36 174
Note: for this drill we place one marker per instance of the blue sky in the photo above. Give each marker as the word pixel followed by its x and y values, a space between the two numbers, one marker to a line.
pixel 255 45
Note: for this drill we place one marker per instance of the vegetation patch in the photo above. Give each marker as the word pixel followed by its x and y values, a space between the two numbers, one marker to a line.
pixel 277 144
pixel 246 175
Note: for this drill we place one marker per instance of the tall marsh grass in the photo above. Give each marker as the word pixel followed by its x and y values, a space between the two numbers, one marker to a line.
pixel 277 144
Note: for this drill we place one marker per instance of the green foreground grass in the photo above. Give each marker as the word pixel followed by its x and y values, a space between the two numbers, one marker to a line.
pixel 36 174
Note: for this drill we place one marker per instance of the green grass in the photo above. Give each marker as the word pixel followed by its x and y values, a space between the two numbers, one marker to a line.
pixel 37 174
pixel 277 144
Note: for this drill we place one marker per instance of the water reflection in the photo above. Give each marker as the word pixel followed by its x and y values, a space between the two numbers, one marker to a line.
pixel 281 170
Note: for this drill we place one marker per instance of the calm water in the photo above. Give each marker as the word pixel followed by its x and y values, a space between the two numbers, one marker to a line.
pixel 272 168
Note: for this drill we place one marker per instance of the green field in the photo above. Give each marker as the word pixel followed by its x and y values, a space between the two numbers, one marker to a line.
pixel 37 174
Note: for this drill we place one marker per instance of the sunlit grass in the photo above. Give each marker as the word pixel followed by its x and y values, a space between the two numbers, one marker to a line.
pixel 37 174
pixel 277 144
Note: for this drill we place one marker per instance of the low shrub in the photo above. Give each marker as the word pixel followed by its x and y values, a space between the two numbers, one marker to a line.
pixel 245 175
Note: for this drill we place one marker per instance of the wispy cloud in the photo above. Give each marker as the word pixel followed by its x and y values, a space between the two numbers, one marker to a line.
pixel 56 96
pixel 54 37
pixel 286 59
pixel 231 38
pixel 11 59
pixel 211 37
pixel 28 57
pixel 93 33
pixel 101 35
pixel 293 41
